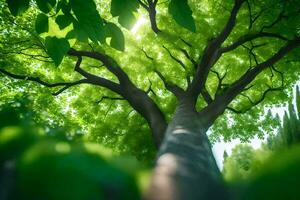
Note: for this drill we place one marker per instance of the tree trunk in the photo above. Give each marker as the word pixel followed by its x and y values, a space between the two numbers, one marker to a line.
pixel 185 168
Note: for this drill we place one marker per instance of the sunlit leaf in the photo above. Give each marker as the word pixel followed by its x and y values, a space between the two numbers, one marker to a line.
pixel 41 23
pixel 63 6
pixel 89 19
pixel 78 32
pixel 117 37
pixel 57 48
pixel 46 5
pixel 63 20
pixel 17 6
pixel 124 9
pixel 182 14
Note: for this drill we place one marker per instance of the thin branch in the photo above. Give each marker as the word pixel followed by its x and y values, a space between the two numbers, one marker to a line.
pixel 255 103
pixel 251 54
pixel 65 85
pixel 68 85
pixel 280 17
pixel 247 88
pixel 247 97
pixel 177 91
pixel 22 51
pixel 147 56
pixel 253 19
pixel 186 43
pixel 249 37
pixel 235 110
pixel 186 54
pixel 280 73
pixel 206 96
pixel 150 88
pixel 220 80
pixel 109 98
pixel 175 59
pixel 229 25
pixel 143 4
pixel 107 111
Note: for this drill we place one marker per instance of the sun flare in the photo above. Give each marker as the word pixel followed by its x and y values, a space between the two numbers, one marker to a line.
pixel 141 21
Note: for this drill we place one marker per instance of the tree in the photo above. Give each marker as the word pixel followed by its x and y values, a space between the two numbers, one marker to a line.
pixel 213 67
pixel 258 174
pixel 245 162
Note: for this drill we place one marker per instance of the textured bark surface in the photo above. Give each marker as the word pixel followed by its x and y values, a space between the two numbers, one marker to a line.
pixel 185 167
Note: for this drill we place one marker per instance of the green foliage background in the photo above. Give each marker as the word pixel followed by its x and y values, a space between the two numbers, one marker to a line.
pixel 37 165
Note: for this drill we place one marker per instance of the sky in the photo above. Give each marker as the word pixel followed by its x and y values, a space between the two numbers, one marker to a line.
pixel 220 147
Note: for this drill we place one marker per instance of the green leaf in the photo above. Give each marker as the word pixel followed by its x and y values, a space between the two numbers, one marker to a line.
pixel 182 14
pixel 71 34
pixel 117 37
pixel 89 19
pixel 79 32
pixel 57 48
pixel 41 24
pixel 64 20
pixel 17 7
pixel 66 8
pixel 63 6
pixel 124 9
pixel 127 20
pixel 45 5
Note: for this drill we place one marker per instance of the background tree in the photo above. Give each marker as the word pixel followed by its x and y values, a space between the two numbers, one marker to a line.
pixel 215 65
pixel 289 130
pixel 245 162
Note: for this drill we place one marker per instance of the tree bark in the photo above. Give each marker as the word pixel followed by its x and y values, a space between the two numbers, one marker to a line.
pixel 152 16
pixel 185 168
pixel 146 107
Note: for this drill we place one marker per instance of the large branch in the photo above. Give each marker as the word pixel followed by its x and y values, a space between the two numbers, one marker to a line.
pixel 176 90
pixel 137 98
pixel 96 80
pixel 219 105
pixel 230 24
pixel 107 61
pixel 212 54
pixel 150 6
